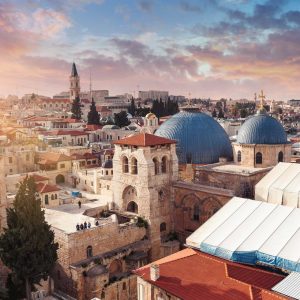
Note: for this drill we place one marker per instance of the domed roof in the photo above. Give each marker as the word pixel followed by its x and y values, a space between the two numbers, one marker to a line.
pixel 110 127
pixel 150 116
pixel 262 129
pixel 201 139
pixel 108 164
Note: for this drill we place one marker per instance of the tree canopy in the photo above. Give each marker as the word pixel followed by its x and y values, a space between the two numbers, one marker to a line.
pixel 121 119
pixel 162 109
pixel 76 109
pixel 27 245
pixel 93 115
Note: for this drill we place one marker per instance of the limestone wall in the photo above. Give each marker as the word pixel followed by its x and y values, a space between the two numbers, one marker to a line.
pixel 269 154
pixel 189 195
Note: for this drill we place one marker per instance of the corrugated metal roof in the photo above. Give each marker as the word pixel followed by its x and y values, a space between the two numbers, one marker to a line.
pixel 290 286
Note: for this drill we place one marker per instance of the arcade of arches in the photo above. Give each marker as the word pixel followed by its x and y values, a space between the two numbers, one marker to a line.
pixel 193 208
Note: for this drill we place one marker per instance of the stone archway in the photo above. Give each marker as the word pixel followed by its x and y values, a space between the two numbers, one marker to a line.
pixel 115 268
pixel 130 200
pixel 60 179
pixel 196 211
pixel 132 207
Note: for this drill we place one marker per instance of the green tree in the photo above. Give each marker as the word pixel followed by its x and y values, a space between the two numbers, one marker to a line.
pixel 27 245
pixel 93 115
pixel 121 119
pixel 221 113
pixel 76 109
pixel 243 113
pixel 214 113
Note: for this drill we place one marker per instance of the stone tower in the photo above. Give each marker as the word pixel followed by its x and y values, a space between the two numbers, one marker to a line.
pixel 144 166
pixel 74 83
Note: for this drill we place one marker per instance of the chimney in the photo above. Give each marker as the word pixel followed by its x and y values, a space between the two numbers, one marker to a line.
pixel 154 272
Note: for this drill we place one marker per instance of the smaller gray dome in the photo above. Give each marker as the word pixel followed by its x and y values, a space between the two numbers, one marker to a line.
pixel 108 164
pixel 262 129
pixel 110 127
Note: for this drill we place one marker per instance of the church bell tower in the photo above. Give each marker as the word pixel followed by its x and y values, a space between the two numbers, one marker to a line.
pixel 74 83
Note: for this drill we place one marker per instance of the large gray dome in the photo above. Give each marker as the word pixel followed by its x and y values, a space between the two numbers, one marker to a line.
pixel 262 129
pixel 200 139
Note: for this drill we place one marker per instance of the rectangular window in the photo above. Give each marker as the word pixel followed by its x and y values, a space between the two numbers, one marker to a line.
pixel 10 160
pixel 141 292
pixel 62 166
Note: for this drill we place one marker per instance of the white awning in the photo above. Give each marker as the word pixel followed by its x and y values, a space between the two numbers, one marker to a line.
pixel 250 231
pixel 281 185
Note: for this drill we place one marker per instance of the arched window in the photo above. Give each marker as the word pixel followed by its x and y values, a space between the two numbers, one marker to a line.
pixel 258 158
pixel 125 165
pixel 89 251
pixel 163 227
pixel 196 213
pixel 46 199
pixel 52 197
pixel 280 156
pixel 55 196
pixel 164 164
pixel 134 166
pixel 239 156
pixel 156 166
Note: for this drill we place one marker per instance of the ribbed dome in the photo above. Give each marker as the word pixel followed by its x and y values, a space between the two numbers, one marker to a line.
pixel 201 139
pixel 262 129
pixel 108 164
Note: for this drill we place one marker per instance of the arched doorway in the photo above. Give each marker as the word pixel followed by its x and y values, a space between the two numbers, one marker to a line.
pixel 115 268
pixel 132 207
pixel 130 199
pixel 60 179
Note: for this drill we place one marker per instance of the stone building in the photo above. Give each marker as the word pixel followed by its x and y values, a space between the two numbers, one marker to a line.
pixel 145 166
pixel 150 123
pixel 261 142
pixel 211 170
pixel 96 261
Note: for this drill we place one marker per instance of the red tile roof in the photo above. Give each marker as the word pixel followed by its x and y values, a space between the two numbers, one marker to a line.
pixel 144 140
pixel 93 127
pixel 52 157
pixel 46 188
pixel 66 132
pixel 193 275
pixel 38 177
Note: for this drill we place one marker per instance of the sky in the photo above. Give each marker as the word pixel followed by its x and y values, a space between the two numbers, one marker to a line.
pixel 201 48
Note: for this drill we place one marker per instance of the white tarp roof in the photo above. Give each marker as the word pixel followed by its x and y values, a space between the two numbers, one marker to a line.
pixel 281 185
pixel 250 231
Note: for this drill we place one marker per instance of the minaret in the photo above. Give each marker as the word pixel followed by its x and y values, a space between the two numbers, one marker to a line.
pixel 74 83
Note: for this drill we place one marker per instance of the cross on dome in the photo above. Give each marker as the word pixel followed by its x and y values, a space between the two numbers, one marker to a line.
pixel 262 98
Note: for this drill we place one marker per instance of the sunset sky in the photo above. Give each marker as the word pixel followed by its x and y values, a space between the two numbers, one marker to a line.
pixel 210 48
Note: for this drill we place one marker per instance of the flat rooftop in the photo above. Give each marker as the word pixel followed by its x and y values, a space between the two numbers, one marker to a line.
pixel 65 217
pixel 231 168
